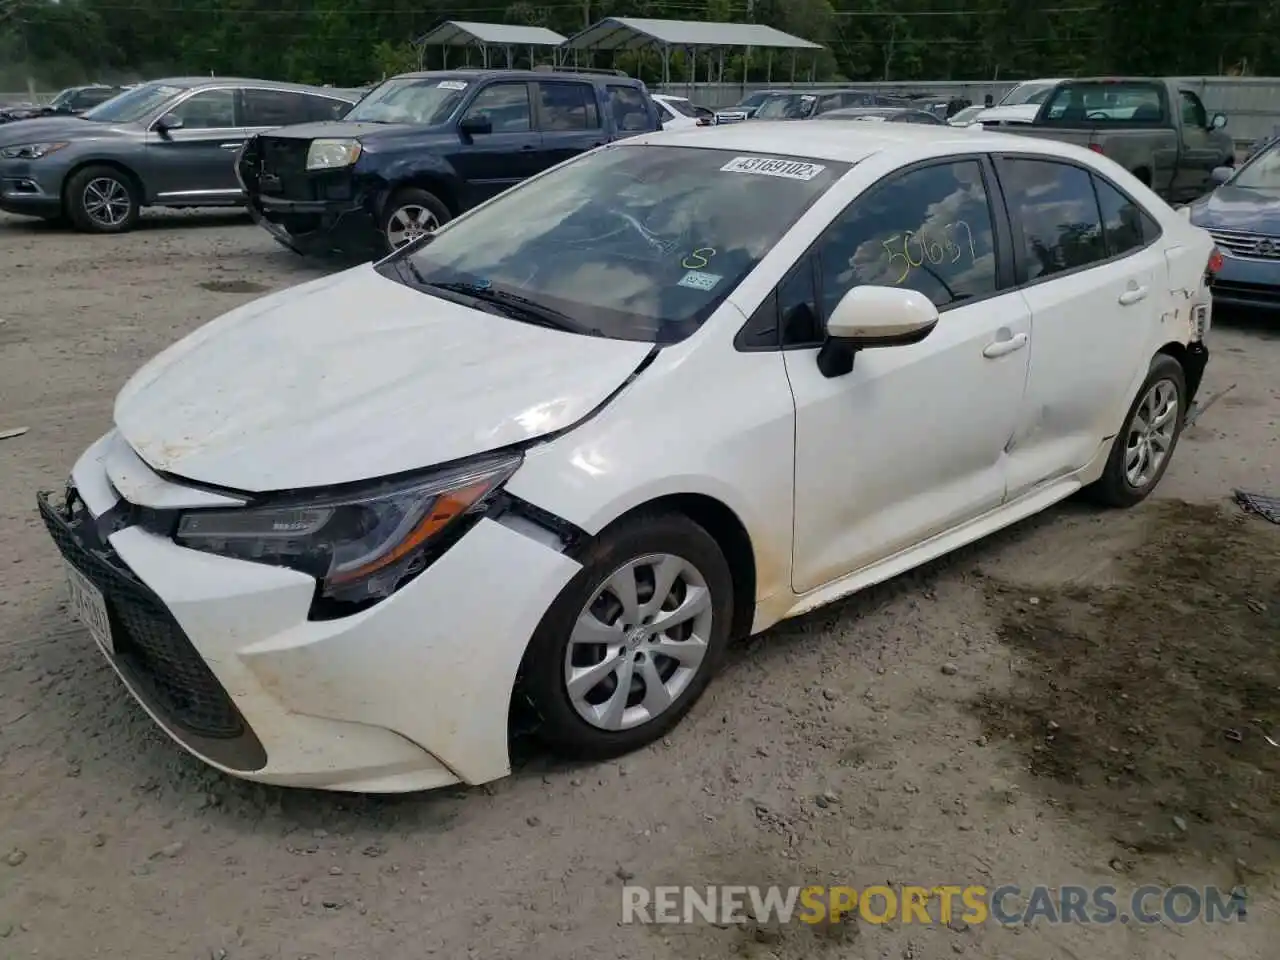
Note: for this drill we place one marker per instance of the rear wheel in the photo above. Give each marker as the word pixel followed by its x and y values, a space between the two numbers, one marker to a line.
pixel 1144 446
pixel 632 640
pixel 103 200
pixel 411 213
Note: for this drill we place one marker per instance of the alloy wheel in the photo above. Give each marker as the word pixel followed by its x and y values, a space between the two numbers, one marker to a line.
pixel 107 202
pixel 409 223
pixel 1151 434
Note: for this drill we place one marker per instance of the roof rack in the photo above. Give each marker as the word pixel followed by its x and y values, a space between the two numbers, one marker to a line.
pixel 568 69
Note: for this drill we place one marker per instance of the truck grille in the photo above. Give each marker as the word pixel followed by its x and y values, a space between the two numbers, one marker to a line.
pixel 1250 245
pixel 150 645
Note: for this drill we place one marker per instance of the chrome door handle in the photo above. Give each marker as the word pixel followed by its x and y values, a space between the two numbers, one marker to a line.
pixel 232 146
pixel 1132 296
pixel 1001 348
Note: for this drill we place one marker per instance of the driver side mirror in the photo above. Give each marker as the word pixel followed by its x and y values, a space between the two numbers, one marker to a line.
pixel 1221 175
pixel 474 124
pixel 170 121
pixel 869 317
pixel 1218 122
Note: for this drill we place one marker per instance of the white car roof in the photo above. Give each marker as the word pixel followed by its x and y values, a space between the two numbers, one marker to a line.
pixel 852 142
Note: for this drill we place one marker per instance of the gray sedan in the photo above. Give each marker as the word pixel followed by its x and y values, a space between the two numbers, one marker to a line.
pixel 170 143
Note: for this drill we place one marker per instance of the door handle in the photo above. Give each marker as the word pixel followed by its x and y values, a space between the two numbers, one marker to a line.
pixel 1133 295
pixel 1000 348
pixel 231 146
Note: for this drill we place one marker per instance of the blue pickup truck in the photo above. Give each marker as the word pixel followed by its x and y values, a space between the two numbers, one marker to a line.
pixel 421 148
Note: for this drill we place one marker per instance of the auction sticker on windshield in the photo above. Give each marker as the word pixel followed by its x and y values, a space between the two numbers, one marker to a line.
pixel 772 167
pixel 452 85
pixel 697 280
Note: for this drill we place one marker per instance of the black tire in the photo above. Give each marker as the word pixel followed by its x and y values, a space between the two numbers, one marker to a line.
pixel 1113 488
pixel 408 197
pixel 560 726
pixel 83 215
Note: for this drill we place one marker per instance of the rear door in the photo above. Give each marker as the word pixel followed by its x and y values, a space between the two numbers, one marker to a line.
pixel 511 151
pixel 195 163
pixel 569 120
pixel 1096 285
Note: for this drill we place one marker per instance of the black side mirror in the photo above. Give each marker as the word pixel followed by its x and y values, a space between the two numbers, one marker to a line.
pixel 476 124
pixel 167 123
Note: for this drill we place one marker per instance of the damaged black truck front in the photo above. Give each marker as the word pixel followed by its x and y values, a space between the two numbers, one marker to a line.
pixel 420 149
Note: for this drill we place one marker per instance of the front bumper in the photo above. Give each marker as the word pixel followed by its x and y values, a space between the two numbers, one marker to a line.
pixel 26 191
pixel 318 227
pixel 410 694
pixel 1247 283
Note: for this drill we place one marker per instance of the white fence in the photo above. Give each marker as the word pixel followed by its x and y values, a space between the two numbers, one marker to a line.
pixel 1252 104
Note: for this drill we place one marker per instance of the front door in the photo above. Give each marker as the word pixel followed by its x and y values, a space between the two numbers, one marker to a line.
pixel 568 119
pixel 489 163
pixel 1200 152
pixel 195 163
pixel 1096 285
pixel 911 442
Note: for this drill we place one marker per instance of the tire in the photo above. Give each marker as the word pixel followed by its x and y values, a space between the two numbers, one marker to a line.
pixel 429 207
pixel 1118 487
pixel 88 188
pixel 632 551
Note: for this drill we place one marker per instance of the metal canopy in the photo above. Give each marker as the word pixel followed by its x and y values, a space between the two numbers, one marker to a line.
pixel 462 33
pixel 632 33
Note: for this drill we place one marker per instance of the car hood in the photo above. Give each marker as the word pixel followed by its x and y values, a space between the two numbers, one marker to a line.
pixel 61 127
pixel 364 130
pixel 1241 209
pixel 354 377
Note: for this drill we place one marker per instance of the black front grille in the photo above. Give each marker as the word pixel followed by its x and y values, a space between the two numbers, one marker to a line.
pixel 150 645
pixel 283 168
pixel 1261 293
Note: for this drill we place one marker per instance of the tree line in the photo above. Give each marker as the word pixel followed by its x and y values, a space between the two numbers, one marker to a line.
pixel 53 43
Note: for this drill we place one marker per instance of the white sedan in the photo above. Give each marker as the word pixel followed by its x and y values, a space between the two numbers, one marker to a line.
pixel 550 460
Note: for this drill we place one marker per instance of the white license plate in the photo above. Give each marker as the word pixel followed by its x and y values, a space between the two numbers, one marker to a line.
pixel 88 604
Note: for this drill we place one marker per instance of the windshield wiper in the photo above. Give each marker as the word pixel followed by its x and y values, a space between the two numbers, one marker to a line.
pixel 518 307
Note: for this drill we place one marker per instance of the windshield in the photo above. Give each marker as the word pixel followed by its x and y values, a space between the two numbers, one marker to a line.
pixel 1033 91
pixel 133 104
pixel 1262 172
pixel 787 106
pixel 425 100
pixel 754 100
pixel 64 98
pixel 633 242
pixel 682 107
pixel 965 115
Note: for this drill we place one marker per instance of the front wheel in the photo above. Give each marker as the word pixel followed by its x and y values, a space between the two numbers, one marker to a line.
pixel 410 213
pixel 1144 446
pixel 102 200
pixel 632 640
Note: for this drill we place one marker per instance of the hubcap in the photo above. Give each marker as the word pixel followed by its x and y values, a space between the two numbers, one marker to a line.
pixel 1151 433
pixel 408 224
pixel 106 201
pixel 639 642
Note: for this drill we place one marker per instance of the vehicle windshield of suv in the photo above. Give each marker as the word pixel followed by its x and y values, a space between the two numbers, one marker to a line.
pixel 683 107
pixel 632 242
pixel 64 98
pixel 1262 172
pixel 133 105
pixel 425 100
pixel 1034 91
pixel 787 106
pixel 754 100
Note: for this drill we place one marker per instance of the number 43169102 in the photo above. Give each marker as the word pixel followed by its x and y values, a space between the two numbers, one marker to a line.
pixel 902 246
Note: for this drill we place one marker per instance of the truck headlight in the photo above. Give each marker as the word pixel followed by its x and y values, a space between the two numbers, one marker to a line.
pixel 29 151
pixel 331 154
pixel 362 546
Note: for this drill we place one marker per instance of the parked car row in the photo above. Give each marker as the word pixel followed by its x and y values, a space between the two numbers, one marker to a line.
pixel 69 102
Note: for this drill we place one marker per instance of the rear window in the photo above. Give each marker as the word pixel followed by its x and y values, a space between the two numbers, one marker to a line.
pixel 1101 103
pixel 636 242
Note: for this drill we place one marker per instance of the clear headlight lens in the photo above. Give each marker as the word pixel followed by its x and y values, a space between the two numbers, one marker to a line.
pixel 331 154
pixel 29 151
pixel 360 546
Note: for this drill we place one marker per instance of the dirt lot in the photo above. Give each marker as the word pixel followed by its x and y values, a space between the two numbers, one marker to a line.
pixel 1081 700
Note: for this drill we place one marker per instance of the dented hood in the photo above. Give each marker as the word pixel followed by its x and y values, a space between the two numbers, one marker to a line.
pixel 355 377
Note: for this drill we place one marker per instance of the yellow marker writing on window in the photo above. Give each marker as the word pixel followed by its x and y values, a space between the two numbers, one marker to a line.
pixel 912 249
pixel 699 258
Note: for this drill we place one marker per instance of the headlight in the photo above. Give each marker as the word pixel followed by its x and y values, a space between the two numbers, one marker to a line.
pixel 360 547
pixel 29 151
pixel 332 154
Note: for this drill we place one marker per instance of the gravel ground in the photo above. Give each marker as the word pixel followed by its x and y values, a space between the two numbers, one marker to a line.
pixel 1051 706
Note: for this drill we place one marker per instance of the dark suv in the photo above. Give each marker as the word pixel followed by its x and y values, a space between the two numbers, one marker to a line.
pixel 421 148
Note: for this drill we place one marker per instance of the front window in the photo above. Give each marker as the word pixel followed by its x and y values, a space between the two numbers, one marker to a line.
pixel 1262 172
pixel 629 242
pixel 133 105
pixel 424 100
pixel 787 106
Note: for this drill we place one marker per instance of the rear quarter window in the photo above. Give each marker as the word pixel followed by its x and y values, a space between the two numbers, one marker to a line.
pixel 630 109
